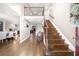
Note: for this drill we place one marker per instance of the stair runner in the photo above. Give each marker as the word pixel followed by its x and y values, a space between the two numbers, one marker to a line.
pixel 56 45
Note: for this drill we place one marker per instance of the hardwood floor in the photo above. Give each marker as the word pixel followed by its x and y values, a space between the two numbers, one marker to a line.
pixel 29 47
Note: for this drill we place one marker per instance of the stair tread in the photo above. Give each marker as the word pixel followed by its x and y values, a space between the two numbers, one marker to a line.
pixel 56 45
pixel 57 39
pixel 60 44
pixel 62 50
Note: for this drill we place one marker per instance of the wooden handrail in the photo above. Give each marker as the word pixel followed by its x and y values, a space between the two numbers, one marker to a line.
pixel 46 34
pixel 46 24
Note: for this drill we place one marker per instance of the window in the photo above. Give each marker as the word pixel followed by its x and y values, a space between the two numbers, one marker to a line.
pixel 33 11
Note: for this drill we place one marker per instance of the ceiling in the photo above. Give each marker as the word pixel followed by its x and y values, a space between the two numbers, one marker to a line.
pixel 37 4
pixel 11 11
pixel 31 4
pixel 7 14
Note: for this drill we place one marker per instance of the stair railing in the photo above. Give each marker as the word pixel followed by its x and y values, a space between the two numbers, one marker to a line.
pixel 46 37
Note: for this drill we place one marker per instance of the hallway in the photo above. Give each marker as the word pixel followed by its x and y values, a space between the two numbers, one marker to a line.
pixel 30 47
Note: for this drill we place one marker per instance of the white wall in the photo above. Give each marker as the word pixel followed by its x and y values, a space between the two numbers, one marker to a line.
pixel 8 26
pixel 39 28
pixel 9 18
pixel 61 12
pixel 46 14
pixel 24 31
pixel 35 21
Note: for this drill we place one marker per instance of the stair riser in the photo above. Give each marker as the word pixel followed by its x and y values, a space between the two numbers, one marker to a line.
pixel 52 31
pixel 54 34
pixel 56 42
pixel 59 47
pixel 62 53
pixel 54 37
pixel 50 25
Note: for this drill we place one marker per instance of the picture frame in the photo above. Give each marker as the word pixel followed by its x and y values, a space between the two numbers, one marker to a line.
pixel 1 26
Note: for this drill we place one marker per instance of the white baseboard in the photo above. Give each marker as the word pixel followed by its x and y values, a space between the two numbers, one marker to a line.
pixel 64 37
pixel 21 41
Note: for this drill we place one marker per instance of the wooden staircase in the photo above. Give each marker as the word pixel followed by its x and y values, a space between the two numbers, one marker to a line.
pixel 56 45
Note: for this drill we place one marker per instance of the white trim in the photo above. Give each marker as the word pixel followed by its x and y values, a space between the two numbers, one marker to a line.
pixel 64 37
pixel 21 41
